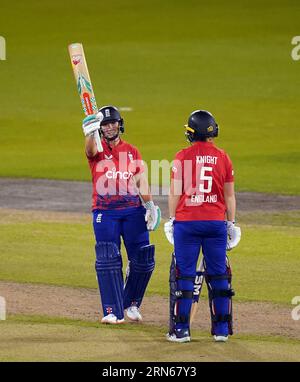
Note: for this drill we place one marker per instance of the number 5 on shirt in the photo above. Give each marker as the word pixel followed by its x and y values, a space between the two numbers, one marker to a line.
pixel 203 177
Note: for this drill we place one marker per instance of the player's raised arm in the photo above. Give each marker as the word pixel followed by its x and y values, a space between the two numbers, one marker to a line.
pixel 90 147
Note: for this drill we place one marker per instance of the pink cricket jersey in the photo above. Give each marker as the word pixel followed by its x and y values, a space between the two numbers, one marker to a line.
pixel 112 171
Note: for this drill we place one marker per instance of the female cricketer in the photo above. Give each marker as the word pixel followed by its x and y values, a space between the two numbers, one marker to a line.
pixel 202 210
pixel 122 208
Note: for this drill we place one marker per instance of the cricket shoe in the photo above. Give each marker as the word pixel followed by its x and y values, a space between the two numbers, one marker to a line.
pixel 112 319
pixel 179 335
pixel 134 314
pixel 220 338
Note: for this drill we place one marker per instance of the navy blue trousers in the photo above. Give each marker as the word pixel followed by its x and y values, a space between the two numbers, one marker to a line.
pixel 189 238
pixel 127 223
pixel 110 226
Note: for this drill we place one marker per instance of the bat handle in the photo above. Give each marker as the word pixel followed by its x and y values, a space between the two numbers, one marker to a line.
pixel 98 141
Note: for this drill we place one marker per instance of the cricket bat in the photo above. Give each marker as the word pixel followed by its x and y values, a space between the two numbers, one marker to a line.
pixel 197 289
pixel 84 85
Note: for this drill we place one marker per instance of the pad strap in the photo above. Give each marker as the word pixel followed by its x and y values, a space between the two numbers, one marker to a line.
pixel 185 278
pixel 184 294
pixel 182 319
pixel 221 317
pixel 214 293
pixel 210 278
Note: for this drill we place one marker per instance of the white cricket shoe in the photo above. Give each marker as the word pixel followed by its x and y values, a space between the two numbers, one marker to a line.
pixel 220 338
pixel 134 314
pixel 180 335
pixel 112 319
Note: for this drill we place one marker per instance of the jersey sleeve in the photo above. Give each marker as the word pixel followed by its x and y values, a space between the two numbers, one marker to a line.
pixel 229 177
pixel 176 171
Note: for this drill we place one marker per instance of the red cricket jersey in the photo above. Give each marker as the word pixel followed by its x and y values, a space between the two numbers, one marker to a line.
pixel 199 174
pixel 112 171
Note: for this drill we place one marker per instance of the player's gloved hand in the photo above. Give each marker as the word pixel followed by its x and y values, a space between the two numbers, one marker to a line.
pixel 169 230
pixel 234 235
pixel 91 123
pixel 152 216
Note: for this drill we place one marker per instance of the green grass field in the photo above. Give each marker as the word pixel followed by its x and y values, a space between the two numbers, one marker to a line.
pixel 61 251
pixel 58 249
pixel 65 340
pixel 164 60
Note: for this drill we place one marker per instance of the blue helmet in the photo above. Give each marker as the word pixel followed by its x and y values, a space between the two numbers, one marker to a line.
pixel 201 125
pixel 111 114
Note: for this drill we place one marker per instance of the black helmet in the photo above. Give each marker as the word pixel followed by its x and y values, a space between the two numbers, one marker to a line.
pixel 111 114
pixel 201 125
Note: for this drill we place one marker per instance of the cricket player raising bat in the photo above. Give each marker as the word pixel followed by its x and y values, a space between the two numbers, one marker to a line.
pixel 122 207
pixel 202 215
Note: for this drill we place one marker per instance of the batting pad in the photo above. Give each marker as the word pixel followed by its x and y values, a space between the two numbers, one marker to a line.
pixel 110 278
pixel 139 272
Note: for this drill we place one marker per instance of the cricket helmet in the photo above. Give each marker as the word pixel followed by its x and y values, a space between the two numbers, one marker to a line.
pixel 201 125
pixel 111 114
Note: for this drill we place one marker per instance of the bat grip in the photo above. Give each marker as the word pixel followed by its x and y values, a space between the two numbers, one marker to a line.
pixel 98 141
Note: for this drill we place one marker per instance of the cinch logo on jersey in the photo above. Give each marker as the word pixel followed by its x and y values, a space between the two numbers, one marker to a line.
pixel 113 174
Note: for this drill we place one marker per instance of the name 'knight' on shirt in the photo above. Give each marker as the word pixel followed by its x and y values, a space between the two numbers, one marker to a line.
pixel 206 159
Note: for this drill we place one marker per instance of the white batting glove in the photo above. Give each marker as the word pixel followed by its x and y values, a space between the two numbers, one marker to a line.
pixel 169 230
pixel 153 216
pixel 234 235
pixel 91 123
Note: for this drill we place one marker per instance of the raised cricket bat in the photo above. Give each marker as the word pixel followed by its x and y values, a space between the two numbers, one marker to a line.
pixel 84 85
pixel 197 289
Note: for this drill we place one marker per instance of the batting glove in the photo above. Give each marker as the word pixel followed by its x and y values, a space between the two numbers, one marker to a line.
pixel 91 123
pixel 233 235
pixel 169 230
pixel 153 216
